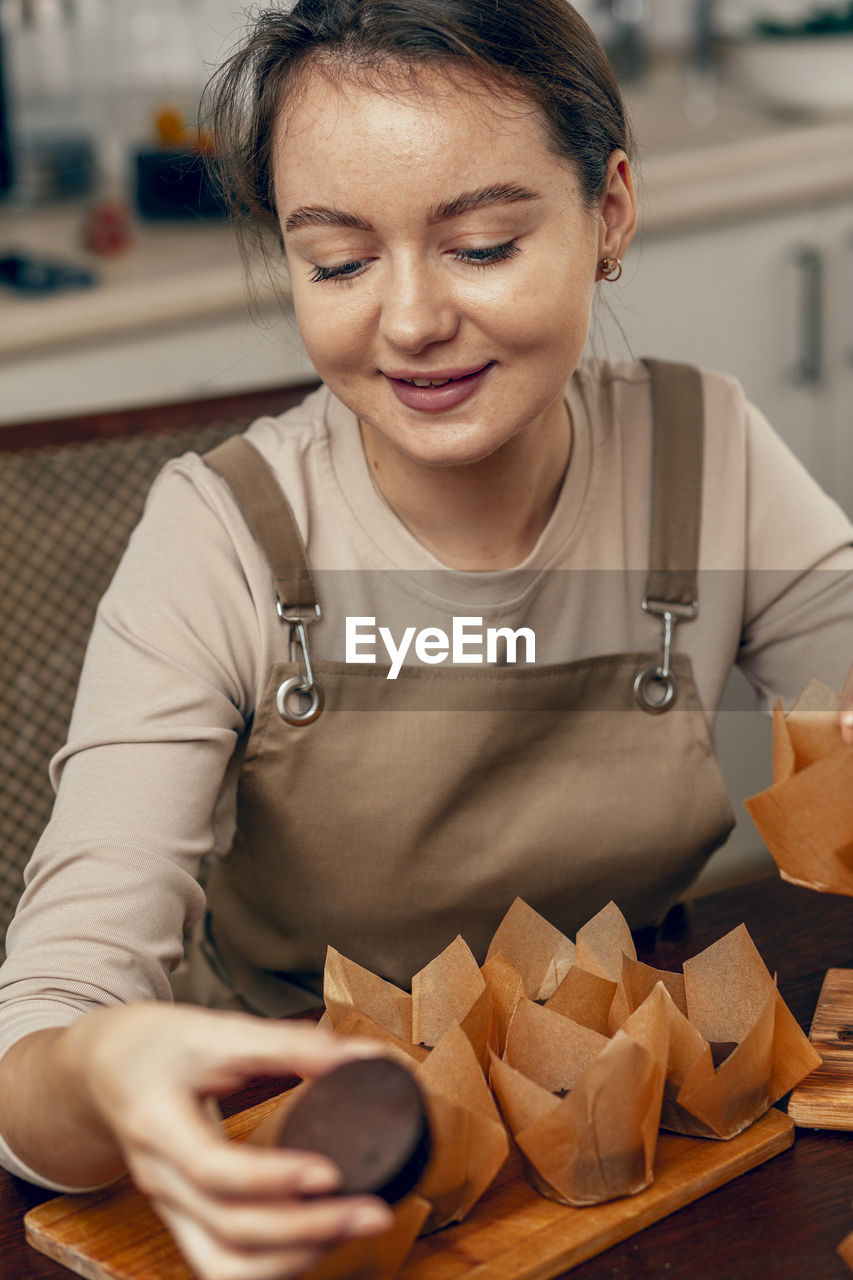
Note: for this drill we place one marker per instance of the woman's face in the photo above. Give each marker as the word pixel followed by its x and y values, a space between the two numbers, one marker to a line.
pixel 432 237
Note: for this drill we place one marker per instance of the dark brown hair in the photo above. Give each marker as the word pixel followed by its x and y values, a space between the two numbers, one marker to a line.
pixel 541 50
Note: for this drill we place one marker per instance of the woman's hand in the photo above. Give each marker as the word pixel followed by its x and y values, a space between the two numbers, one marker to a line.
pixel 147 1073
pixel 847 709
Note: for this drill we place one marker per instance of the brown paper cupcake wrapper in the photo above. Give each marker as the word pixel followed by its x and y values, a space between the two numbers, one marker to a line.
pixel 377 1257
pixel 447 992
pixel 845 1251
pixel 806 817
pixel 734 1046
pixel 538 952
pixel 451 1026
pixel 469 1140
pixel 598 1141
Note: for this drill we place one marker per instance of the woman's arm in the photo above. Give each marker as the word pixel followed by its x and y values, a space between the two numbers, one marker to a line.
pixel 167 689
pixel 798 587
pixel 129 1089
pixel 180 644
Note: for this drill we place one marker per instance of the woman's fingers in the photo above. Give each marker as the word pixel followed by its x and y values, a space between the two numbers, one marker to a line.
pixel 218 1168
pixel 256 1213
pixel 263 1239
pixel 129 1056
pixel 175 1130
pixel 211 1261
pixel 249 1225
pixel 266 1047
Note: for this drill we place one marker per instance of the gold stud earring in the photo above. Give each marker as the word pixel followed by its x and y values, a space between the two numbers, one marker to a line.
pixel 610 268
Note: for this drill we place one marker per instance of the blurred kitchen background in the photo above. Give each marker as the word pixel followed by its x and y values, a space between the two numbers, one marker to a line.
pixel 121 287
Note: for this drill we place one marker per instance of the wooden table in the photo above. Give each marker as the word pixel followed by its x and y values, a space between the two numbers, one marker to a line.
pixel 783 1221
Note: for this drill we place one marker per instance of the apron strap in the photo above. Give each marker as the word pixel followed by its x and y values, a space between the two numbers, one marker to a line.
pixel 677 454
pixel 270 518
pixel 671 583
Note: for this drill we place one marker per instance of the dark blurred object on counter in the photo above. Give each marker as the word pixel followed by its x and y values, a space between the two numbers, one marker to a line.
pixel 54 167
pixel 108 229
pixel 34 274
pixel 820 21
pixel 176 184
pixel 174 179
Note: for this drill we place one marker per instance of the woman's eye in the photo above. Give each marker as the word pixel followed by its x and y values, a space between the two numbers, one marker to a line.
pixel 344 272
pixel 487 257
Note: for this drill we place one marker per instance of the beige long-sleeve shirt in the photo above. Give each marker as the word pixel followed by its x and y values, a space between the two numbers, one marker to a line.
pixel 187 632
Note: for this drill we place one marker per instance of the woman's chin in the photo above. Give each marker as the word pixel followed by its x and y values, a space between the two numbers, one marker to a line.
pixel 436 447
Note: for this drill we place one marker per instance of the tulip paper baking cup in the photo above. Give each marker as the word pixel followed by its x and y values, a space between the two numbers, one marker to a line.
pixel 806 817
pixel 377 1257
pixel 374 1257
pixel 734 1046
pixel 598 1140
pixel 447 992
pixel 445 1030
pixel 579 979
pixel 845 1251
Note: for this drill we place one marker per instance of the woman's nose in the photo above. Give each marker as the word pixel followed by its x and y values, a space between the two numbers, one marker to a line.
pixel 418 308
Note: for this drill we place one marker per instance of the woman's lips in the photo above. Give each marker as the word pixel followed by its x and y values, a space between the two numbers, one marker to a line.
pixel 459 386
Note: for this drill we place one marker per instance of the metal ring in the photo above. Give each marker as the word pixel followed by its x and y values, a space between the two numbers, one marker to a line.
pixel 642 685
pixel 298 684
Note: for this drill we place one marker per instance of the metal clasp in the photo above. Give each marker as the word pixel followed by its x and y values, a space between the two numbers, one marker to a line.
pixel 292 692
pixel 655 687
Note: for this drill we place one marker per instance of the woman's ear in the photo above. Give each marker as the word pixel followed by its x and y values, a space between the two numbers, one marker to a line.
pixel 618 216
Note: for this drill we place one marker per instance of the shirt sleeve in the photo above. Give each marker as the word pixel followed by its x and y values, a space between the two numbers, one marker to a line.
pixel 167 689
pixel 798 598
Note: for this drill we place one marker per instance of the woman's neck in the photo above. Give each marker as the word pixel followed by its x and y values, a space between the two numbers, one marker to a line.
pixel 484 515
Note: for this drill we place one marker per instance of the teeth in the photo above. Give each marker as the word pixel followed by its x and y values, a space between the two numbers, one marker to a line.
pixel 426 382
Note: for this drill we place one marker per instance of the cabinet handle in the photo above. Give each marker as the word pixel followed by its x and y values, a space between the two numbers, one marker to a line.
pixel 848 284
pixel 808 368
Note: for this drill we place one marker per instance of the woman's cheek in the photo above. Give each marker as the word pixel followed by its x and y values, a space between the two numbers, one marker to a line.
pixel 332 330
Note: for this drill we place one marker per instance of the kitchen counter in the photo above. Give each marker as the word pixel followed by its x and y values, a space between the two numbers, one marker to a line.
pixel 707 152
pixel 746 177
pixel 172 273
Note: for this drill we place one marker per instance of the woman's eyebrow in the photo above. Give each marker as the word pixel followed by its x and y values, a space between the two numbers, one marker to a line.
pixel 506 194
pixel 317 216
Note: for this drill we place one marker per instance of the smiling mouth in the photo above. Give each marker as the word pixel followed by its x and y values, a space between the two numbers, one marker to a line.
pixel 440 381
pixel 442 392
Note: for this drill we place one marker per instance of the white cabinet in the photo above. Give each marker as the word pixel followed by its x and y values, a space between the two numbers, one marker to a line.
pixel 771 301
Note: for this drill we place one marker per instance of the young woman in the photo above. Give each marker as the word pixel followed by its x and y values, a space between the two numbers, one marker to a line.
pixel 395 710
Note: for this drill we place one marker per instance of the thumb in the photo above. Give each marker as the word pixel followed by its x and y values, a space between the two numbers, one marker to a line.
pixel 264 1046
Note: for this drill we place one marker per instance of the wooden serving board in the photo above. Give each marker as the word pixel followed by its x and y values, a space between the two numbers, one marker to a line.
pixel 824 1100
pixel 512 1234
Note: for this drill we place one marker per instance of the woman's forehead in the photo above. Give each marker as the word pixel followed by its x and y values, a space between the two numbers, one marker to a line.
pixel 330 91
pixel 446 118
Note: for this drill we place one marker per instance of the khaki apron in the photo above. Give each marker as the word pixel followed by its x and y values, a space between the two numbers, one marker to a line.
pixel 412 810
